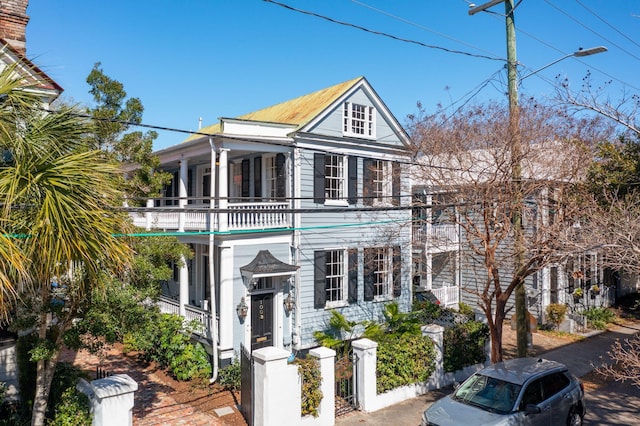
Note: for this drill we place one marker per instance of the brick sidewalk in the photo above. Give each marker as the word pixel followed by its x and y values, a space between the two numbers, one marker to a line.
pixel 153 404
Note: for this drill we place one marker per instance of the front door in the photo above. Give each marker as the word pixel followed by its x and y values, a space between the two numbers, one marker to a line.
pixel 261 320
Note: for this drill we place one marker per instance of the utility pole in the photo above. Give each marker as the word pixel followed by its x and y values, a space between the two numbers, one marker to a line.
pixel 522 328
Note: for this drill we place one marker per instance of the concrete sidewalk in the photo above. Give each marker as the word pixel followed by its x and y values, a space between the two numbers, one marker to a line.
pixel 580 357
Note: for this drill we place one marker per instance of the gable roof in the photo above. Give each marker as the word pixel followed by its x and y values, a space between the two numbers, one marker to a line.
pixel 298 112
pixel 29 71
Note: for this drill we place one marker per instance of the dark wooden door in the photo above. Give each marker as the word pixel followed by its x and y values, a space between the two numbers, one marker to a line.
pixel 261 320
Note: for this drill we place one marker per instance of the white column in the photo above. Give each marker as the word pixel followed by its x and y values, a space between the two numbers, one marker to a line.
pixel 365 352
pixel 227 302
pixel 182 191
pixel 183 280
pixel 223 190
pixel 148 215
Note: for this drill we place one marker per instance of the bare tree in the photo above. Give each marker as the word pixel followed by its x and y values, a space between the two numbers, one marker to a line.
pixel 470 155
pixel 626 358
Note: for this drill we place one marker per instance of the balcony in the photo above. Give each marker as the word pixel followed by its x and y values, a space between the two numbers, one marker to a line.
pixel 437 237
pixel 239 216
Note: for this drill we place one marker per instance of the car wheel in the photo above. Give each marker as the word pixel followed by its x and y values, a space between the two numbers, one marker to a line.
pixel 574 418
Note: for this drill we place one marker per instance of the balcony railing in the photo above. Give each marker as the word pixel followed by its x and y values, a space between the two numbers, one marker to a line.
pixel 192 313
pixel 240 216
pixel 438 236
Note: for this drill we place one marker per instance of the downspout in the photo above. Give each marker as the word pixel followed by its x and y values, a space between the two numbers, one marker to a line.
pixel 212 286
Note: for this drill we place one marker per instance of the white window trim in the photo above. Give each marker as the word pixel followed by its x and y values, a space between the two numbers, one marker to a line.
pixel 342 201
pixel 266 159
pixel 331 304
pixel 369 121
pixel 389 266
pixel 386 185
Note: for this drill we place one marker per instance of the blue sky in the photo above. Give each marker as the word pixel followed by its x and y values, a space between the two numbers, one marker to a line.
pixel 223 58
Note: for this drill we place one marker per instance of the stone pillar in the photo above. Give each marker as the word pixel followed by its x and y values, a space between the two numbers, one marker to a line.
pixel 365 353
pixel 327 409
pixel 276 388
pixel 111 399
pixel 436 333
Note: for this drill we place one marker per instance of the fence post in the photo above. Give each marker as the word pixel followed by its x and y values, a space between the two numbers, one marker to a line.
pixel 436 333
pixel 111 399
pixel 365 353
pixel 327 409
pixel 277 399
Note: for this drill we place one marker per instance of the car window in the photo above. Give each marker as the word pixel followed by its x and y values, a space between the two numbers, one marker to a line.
pixel 554 383
pixel 488 393
pixel 532 395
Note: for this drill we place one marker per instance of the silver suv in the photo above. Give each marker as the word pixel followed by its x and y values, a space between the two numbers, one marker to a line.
pixel 522 391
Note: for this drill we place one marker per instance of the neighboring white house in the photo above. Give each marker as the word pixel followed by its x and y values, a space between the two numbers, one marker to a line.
pixel 290 211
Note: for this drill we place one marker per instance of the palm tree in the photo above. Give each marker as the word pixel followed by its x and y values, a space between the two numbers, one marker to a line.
pixel 57 197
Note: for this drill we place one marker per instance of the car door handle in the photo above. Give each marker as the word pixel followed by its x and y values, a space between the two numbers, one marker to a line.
pixel 567 396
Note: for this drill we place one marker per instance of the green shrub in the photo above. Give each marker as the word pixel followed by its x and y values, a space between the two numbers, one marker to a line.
pixel 65 376
pixel 404 360
pixel 26 371
pixel 464 345
pixel 230 376
pixel 556 313
pixel 309 370
pixel 598 318
pixel 168 343
pixel 427 311
pixel 72 409
pixel 467 310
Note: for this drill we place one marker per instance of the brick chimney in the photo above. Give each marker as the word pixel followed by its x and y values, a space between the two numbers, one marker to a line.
pixel 13 23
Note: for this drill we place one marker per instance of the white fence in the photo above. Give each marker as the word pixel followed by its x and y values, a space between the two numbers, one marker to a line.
pixel 447 296
pixel 192 313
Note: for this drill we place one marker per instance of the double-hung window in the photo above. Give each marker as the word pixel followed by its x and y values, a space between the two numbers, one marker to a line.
pixel 270 178
pixel 381 181
pixel 335 269
pixel 381 272
pixel 334 177
pixel 359 120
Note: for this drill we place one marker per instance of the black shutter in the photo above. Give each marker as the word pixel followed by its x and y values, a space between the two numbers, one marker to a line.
pixel 318 178
pixel 319 280
pixel 395 184
pixel 367 181
pixel 246 164
pixel 397 272
pixel 353 275
pixel 368 275
pixel 257 178
pixel 281 176
pixel 352 184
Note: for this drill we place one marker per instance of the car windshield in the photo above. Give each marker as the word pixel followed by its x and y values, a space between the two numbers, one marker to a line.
pixel 494 395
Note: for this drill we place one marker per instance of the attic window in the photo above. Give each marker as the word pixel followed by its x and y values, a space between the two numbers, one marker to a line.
pixel 359 120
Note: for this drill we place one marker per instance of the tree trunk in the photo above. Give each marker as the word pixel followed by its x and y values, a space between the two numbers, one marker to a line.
pixel 44 377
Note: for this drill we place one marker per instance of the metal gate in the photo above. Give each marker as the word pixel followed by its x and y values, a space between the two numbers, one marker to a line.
pixel 246 387
pixel 345 376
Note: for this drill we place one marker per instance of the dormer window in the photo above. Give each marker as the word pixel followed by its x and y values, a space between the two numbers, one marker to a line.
pixel 359 120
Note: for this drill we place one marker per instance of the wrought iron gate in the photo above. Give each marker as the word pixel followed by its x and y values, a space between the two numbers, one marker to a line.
pixel 246 387
pixel 345 377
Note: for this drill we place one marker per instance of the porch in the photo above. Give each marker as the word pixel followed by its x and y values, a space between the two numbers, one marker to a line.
pixel 236 216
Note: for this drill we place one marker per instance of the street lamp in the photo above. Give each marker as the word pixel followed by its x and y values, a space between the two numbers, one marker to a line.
pixel 578 54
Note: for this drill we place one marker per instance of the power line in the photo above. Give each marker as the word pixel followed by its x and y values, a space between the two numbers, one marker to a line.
pixel 591 30
pixel 404 40
pixel 607 23
pixel 422 27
